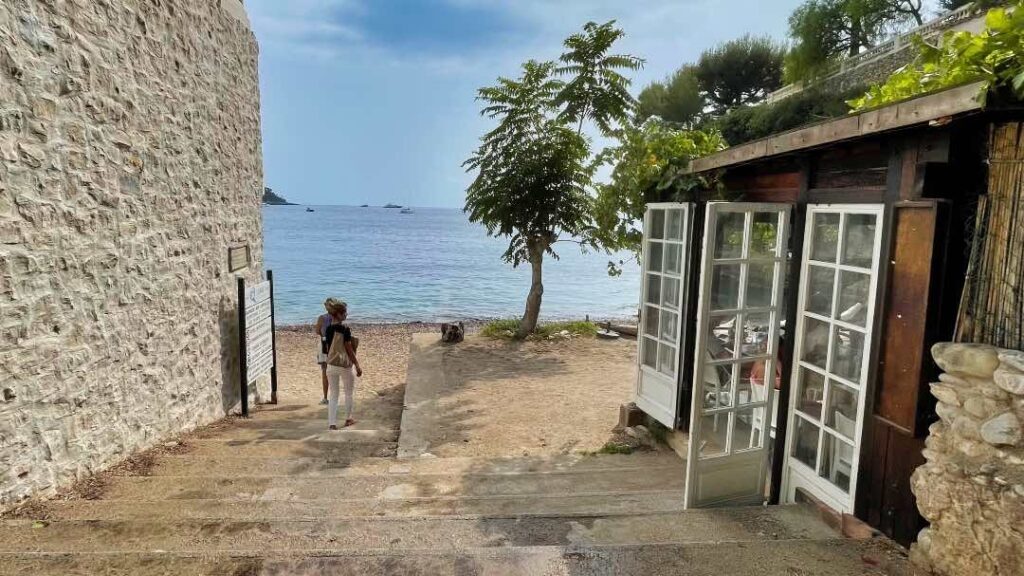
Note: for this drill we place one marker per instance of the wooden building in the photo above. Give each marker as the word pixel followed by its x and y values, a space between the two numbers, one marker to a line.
pixel 788 311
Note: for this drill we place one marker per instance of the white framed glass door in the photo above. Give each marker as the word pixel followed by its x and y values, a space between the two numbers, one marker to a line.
pixel 839 284
pixel 665 254
pixel 738 320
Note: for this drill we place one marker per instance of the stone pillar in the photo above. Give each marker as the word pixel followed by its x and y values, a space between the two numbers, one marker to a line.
pixel 971 488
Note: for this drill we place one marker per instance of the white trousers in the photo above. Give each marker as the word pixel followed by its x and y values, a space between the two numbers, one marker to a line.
pixel 348 376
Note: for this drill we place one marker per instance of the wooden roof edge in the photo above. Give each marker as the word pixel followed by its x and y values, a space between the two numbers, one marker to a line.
pixel 918 110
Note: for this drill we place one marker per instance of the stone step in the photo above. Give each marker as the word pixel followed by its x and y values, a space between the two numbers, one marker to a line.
pixel 388 534
pixel 309 432
pixel 191 464
pixel 147 488
pixel 333 448
pixel 763 558
pixel 607 504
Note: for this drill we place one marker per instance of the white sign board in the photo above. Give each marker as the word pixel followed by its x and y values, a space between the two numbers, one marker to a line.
pixel 259 342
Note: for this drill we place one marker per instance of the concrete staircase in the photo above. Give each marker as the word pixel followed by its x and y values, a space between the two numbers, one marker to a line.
pixel 277 494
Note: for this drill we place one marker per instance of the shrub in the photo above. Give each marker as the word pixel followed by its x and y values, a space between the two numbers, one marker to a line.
pixel 813 105
pixel 994 56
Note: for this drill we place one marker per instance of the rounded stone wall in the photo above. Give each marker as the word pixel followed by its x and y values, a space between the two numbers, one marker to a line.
pixel 972 487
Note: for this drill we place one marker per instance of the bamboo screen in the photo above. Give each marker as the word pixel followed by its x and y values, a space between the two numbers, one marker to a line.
pixel 992 306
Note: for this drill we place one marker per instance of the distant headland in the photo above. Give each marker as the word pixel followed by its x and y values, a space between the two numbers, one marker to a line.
pixel 274 200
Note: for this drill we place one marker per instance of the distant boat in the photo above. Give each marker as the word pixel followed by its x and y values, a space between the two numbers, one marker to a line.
pixel 406 211
pixel 392 206
pixel 308 209
pixel 365 206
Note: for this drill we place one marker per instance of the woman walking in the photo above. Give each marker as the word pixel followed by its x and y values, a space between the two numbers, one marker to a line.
pixel 322 323
pixel 340 348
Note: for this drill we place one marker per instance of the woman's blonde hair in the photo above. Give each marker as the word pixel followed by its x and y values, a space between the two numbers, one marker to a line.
pixel 335 306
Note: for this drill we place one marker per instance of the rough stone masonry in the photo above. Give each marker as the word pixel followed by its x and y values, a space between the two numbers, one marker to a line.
pixel 972 487
pixel 130 160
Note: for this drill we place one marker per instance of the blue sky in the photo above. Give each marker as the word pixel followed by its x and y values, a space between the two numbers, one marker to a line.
pixel 372 101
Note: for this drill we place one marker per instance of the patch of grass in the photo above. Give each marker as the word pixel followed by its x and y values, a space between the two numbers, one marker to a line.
pixel 507 328
pixel 615 448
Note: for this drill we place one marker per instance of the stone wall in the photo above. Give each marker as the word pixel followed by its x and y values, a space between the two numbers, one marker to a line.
pixel 972 487
pixel 130 159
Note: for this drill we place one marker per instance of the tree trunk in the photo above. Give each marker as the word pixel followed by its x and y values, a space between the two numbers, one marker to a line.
pixel 529 322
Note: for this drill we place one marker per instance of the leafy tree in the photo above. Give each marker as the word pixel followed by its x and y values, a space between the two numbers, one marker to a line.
pixel 596 89
pixel 676 100
pixel 811 105
pixel 826 30
pixel 534 168
pixel 740 72
pixel 995 56
pixel 640 175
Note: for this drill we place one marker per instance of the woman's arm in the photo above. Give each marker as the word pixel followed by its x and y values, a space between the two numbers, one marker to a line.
pixel 319 324
pixel 352 356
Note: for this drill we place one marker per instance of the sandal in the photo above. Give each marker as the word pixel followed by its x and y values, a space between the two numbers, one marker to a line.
pixel 332 427
pixel 349 422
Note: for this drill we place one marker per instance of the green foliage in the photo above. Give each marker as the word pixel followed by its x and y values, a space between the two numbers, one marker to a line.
pixel 615 448
pixel 739 72
pixel 826 30
pixel 994 56
pixel 596 90
pixel 676 100
pixel 533 170
pixel 639 164
pixel 507 329
pixel 813 105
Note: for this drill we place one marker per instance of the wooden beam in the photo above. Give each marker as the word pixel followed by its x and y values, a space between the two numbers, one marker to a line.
pixel 939 105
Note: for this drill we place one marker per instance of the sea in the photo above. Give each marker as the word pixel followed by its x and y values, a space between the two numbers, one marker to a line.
pixel 428 266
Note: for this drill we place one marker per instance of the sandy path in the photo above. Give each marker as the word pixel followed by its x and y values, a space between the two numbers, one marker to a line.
pixel 530 398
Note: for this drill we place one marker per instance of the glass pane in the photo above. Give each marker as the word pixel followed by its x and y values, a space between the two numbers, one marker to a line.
pixel 756 330
pixel 725 287
pixel 729 234
pixel 650 321
pixel 713 435
pixel 764 235
pixel 650 353
pixel 842 409
pixel 675 225
pixel 847 354
pixel 853 297
pixel 760 284
pixel 669 326
pixel 657 224
pixel 749 432
pixel 750 386
pixel 673 258
pixel 825 237
pixel 653 289
pixel 718 386
pixel 667 360
pixel 670 292
pixel 837 462
pixel 654 256
pixel 859 240
pixel 815 345
pixel 722 337
pixel 805 442
pixel 810 393
pixel 820 285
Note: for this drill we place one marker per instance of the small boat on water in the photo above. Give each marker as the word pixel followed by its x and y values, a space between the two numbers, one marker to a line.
pixel 405 211
pixel 308 209
pixel 392 206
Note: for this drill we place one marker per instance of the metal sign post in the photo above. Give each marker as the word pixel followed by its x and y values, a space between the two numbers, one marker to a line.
pixel 257 343
pixel 273 341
